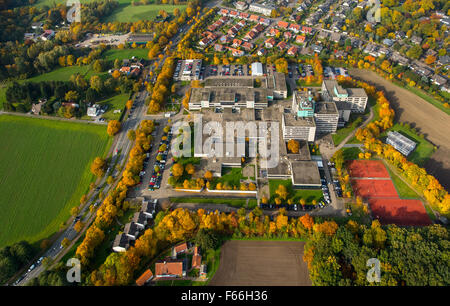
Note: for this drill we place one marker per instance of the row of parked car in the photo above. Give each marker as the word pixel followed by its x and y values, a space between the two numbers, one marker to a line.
pixel 160 163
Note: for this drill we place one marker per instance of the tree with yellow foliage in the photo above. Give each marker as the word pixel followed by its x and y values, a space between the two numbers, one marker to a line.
pixel 113 127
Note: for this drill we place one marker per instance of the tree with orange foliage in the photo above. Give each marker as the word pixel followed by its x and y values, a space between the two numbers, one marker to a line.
pixel 113 127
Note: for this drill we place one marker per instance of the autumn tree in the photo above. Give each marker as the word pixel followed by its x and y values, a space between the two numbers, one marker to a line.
pixel 282 192
pixel 113 127
pixel 293 146
pixel 177 170
pixel 98 167
pixel 78 226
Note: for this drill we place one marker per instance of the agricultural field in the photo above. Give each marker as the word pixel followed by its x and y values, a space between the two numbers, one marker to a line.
pixel 43 173
pixel 261 263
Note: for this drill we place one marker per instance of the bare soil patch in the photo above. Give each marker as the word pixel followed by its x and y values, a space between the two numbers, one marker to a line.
pixel 426 118
pixel 262 263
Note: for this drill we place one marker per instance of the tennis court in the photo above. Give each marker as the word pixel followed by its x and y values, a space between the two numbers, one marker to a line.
pixel 367 168
pixel 400 212
pixel 368 188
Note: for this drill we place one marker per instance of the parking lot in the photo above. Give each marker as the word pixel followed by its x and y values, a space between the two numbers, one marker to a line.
pixel 227 70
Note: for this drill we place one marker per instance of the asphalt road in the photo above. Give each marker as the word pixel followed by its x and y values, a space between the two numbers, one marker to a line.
pixel 122 146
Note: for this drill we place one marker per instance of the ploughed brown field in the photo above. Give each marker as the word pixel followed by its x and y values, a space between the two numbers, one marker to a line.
pixel 262 263
pixel 428 119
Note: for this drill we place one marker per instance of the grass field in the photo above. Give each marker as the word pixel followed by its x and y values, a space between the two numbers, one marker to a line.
pixel 341 133
pixel 128 13
pixel 296 194
pixel 424 149
pixel 403 190
pixel 44 172
pixel 221 201
pixel 121 54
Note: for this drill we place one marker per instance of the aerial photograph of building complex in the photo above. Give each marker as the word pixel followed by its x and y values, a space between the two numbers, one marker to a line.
pixel 217 143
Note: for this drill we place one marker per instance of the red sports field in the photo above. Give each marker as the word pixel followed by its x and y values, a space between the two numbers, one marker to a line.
pixel 382 195
pixel 367 168
pixel 374 188
pixel 400 212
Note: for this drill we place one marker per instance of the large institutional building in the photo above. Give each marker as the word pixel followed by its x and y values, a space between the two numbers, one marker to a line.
pixel 356 98
pixel 238 92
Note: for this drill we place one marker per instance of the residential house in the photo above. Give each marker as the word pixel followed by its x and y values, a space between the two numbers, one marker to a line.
pixel 179 249
pixel 240 5
pixel 253 18
pixel 144 278
pixel 262 52
pixel 335 37
pixel 273 32
pixel 292 51
pixel 416 40
pixel 250 35
pixel 294 28
pixel 121 243
pixel 93 111
pixel 270 43
pixel 282 45
pixel 300 39
pixel 37 25
pixel 306 30
pixel 196 259
pixel 283 25
pixel 233 14
pixel 170 268
pixel 140 219
pixel 219 48
pixel 225 39
pixel 264 21
pixel 236 52
pixel 131 230
pixel 244 15
pixel 48 34
pixel 439 80
pixel 247 46
pixel 287 35
pixel 322 34
pixel 149 208
pixel 223 12
pixel 258 28
pixel 236 42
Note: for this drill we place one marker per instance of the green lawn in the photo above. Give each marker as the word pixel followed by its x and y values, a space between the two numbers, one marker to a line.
pixel 231 176
pixel 221 201
pixel 404 191
pixel 423 150
pixel 122 54
pixel 351 153
pixel 44 172
pixel 128 13
pixel 345 131
pixel 115 102
pixel 59 74
pixel 296 194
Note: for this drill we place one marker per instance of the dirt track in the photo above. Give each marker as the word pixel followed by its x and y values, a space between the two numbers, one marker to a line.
pixel 262 263
pixel 429 120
